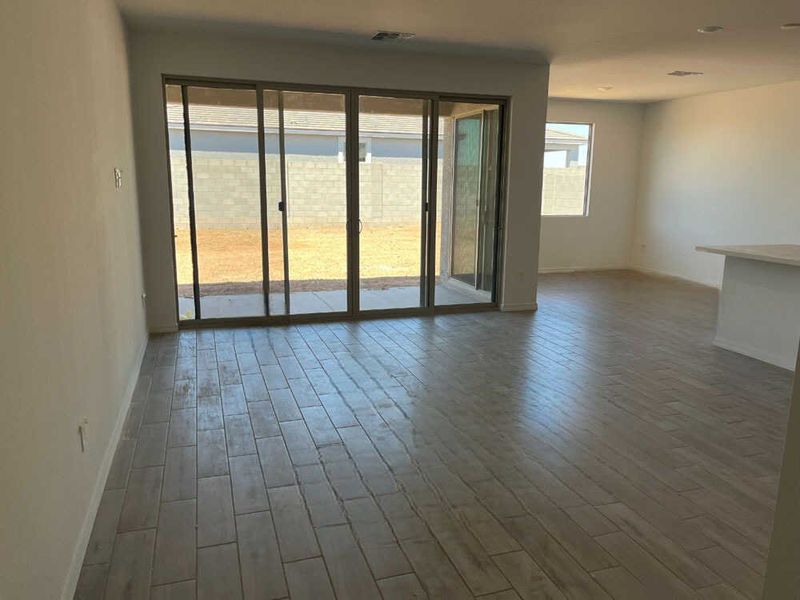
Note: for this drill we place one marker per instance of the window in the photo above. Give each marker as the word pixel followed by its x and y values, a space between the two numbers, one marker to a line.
pixel 364 150
pixel 567 163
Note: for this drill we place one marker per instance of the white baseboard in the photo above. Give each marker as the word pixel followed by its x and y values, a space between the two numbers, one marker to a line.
pixel 666 275
pixel 547 270
pixel 757 353
pixel 164 329
pixel 520 306
pixel 71 583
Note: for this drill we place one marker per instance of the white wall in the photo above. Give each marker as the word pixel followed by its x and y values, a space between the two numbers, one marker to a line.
pixel 718 169
pixel 193 53
pixel 71 317
pixel 602 239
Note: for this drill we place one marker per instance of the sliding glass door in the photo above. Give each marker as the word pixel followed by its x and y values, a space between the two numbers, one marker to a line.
pixel 216 205
pixel 289 201
pixel 272 192
pixel 467 221
pixel 393 170
pixel 227 207
pixel 315 201
pixel 466 198
pixel 182 217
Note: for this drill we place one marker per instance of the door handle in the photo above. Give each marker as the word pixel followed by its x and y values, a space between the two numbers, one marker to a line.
pixel 349 223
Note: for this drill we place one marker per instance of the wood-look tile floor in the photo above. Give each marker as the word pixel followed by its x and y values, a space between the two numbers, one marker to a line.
pixel 601 447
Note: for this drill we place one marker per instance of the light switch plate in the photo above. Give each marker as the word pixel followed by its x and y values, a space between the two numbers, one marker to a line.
pixel 117 177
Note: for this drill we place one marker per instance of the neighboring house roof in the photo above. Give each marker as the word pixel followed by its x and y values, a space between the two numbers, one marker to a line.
pixel 237 118
pixel 557 137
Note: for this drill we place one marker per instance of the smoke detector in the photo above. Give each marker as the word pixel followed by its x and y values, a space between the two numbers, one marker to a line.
pixel 392 36
pixel 790 26
pixel 684 73
pixel 710 29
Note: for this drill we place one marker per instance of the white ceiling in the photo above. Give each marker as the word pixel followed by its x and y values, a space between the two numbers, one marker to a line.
pixel 627 44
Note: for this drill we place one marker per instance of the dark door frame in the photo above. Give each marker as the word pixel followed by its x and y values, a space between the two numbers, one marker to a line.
pixel 428 218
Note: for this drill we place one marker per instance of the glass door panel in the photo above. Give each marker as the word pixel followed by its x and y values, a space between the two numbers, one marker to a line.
pixel 314 170
pixel 393 182
pixel 466 198
pixel 227 203
pixel 273 175
pixel 181 219
pixel 466 219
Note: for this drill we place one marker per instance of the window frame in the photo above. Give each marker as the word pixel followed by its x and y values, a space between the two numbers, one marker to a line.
pixel 587 183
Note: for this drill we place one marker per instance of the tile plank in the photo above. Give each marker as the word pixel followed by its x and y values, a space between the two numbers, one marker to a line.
pixel 129 573
pixel 175 543
pixel 249 493
pixel 218 574
pixel 215 524
pixel 262 573
pixel 295 533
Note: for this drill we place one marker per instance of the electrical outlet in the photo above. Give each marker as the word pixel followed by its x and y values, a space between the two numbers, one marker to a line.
pixel 83 432
pixel 117 177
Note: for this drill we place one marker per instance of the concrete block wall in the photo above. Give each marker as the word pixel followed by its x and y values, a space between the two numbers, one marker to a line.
pixel 563 190
pixel 226 188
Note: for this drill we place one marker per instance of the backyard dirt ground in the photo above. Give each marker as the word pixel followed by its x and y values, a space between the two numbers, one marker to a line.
pixel 230 259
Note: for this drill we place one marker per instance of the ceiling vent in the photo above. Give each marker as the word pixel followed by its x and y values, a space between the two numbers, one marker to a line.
pixel 684 73
pixel 392 36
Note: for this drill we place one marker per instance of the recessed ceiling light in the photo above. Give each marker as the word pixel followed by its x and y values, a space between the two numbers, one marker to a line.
pixel 710 29
pixel 788 26
pixel 684 73
pixel 605 88
pixel 392 36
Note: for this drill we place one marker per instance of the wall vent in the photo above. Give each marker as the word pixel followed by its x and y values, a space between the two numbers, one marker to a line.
pixel 392 36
